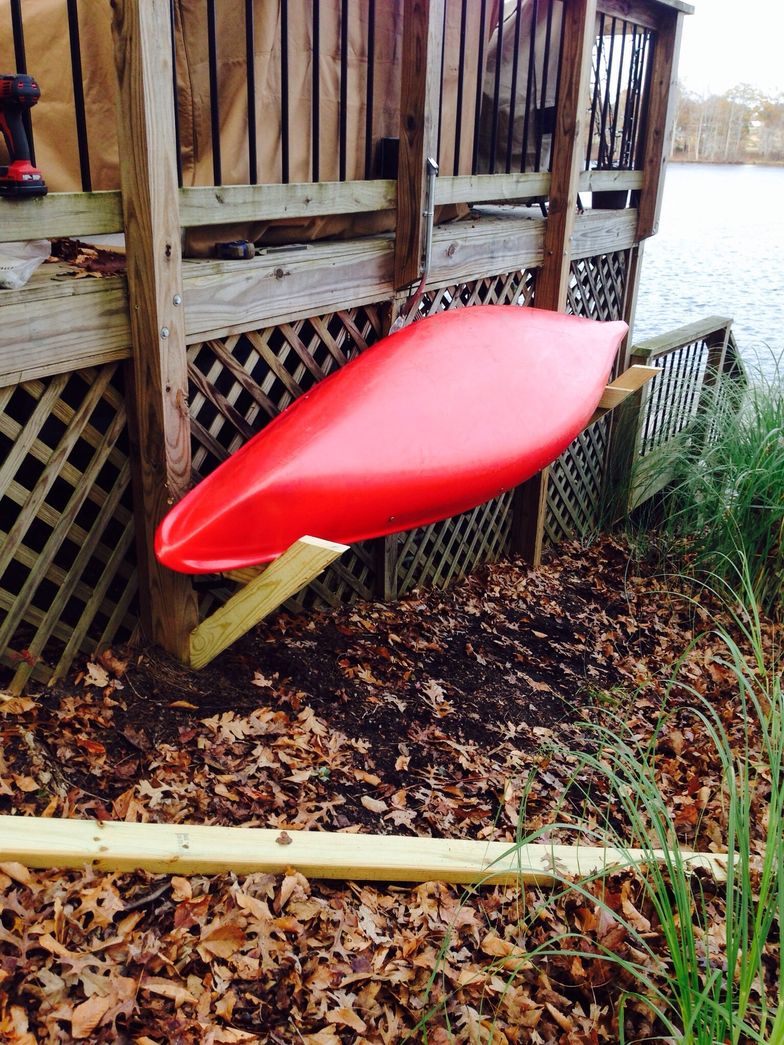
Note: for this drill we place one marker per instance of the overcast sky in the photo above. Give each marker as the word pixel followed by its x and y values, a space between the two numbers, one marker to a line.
pixel 727 42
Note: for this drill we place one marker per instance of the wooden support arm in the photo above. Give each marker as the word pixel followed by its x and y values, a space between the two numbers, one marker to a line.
pixel 189 849
pixel 262 594
pixel 629 382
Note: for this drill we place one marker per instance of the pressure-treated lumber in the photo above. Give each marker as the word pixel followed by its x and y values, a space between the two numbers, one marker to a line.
pixel 420 87
pixel 622 387
pixel 292 571
pixel 579 20
pixel 552 282
pixel 187 849
pixel 159 408
pixel 659 126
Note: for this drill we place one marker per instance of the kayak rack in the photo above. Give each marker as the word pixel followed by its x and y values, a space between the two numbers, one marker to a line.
pixel 265 588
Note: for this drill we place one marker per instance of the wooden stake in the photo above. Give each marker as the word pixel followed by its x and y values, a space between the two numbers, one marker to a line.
pixel 284 577
pixel 187 849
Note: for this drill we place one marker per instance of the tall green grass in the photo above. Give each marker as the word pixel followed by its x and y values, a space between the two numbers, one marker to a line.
pixel 726 489
pixel 718 976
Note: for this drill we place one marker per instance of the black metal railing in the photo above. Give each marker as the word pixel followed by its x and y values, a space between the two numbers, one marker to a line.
pixel 331 71
pixel 619 89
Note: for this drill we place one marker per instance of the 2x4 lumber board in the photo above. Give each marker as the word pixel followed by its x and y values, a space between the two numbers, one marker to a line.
pixel 284 577
pixel 602 232
pixel 630 381
pixel 578 33
pixel 529 507
pixel 660 121
pixel 465 251
pixel 61 214
pixel 600 181
pixel 190 849
pixel 420 87
pixel 672 340
pixel 233 296
pixel 159 414
pixel 229 203
pixel 648 13
pixel 61 327
pixel 478 188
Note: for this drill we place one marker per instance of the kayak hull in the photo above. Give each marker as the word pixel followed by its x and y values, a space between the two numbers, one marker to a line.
pixel 429 422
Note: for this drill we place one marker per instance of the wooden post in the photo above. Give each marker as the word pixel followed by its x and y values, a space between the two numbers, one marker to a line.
pixel 660 119
pixel 161 436
pixel 552 281
pixel 423 24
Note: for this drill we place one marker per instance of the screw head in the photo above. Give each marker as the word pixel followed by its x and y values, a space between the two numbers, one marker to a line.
pixel 164 332
pixel 177 299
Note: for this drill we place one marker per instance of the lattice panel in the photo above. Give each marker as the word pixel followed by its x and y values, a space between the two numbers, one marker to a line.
pixel 239 383
pixel 433 556
pixel 597 290
pixel 597 287
pixel 511 288
pixel 67 575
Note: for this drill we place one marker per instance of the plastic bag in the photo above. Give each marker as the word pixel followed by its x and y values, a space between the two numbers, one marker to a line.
pixel 19 260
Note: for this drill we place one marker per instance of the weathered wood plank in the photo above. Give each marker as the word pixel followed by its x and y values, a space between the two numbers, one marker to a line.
pixel 208 205
pixel 61 214
pixel 159 418
pixel 420 85
pixel 654 347
pixel 601 181
pixel 232 296
pixel 284 577
pixel 648 13
pixel 193 849
pixel 660 121
pixel 53 327
pixel 476 188
pixel 579 21
pixel 603 231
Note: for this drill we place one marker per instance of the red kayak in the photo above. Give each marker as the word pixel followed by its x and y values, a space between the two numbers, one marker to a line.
pixel 429 422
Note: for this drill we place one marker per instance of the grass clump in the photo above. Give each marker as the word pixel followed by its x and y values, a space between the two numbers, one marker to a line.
pixel 725 495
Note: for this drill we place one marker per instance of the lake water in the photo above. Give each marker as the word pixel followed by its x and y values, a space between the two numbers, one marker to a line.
pixel 719 251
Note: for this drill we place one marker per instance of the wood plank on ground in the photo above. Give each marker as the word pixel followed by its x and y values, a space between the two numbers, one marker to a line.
pixel 196 849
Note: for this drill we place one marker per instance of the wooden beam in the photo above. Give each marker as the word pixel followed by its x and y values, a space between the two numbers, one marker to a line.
pixel 659 121
pixel 662 344
pixel 61 214
pixel 529 507
pixel 420 86
pixel 475 188
pixel 159 411
pixel 284 577
pixel 189 849
pixel 568 152
pixel 223 204
pixel 622 387
pixel 552 282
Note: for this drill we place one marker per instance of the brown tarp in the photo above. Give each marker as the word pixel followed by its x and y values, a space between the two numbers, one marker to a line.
pixel 46 38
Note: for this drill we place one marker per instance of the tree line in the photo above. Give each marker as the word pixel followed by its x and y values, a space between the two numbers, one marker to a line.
pixel 743 125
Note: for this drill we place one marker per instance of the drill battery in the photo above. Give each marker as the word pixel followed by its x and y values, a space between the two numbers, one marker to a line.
pixel 18 94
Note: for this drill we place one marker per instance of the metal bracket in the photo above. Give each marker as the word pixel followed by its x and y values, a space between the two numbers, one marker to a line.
pixel 431 170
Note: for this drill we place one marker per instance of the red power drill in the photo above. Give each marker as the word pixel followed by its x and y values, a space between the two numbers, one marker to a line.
pixel 18 94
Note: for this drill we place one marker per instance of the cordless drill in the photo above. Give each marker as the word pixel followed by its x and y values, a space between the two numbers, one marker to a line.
pixel 18 94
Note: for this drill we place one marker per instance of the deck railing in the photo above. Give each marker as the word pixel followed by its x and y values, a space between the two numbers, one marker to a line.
pixel 697 361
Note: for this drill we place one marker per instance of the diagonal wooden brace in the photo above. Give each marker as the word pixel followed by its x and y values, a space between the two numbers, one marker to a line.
pixel 262 594
pixel 629 382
